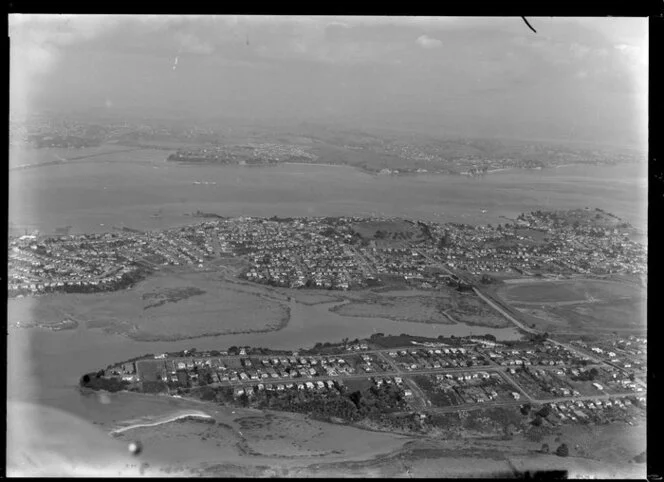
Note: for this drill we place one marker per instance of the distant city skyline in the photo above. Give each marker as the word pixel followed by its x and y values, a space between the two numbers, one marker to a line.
pixel 575 79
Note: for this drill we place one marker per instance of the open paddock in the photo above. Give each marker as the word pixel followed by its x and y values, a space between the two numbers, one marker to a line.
pixel 577 290
pixel 579 306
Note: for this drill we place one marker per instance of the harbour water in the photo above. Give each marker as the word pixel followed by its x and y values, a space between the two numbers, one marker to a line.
pixel 44 366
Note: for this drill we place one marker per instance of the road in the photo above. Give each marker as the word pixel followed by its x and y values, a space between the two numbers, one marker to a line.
pixel 500 310
pixel 496 306
pixel 511 403
pixel 420 397
pixel 368 267
pixel 421 401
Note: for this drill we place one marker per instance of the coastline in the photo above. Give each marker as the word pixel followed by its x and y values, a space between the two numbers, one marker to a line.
pixel 181 416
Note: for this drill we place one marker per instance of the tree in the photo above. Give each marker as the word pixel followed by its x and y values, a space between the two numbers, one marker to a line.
pixel 537 421
pixel 355 397
pixel 244 400
pixel 545 448
pixel 545 411
pixel 525 409
pixel 562 450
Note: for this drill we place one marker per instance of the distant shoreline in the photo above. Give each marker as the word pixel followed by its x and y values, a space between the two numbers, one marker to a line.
pixel 317 164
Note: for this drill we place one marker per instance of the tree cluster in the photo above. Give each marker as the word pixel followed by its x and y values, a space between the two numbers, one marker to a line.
pixel 96 381
pixel 587 376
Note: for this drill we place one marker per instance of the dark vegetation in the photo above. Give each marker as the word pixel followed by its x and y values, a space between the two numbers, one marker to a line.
pixel 586 376
pixel 96 381
pixel 171 296
pixel 339 403
pixel 127 280
pixel 562 450
pixel 395 341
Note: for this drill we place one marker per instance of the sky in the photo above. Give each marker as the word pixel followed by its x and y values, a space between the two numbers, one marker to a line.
pixel 576 79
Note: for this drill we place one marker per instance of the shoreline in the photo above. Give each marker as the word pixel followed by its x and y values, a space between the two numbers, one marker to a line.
pixel 199 415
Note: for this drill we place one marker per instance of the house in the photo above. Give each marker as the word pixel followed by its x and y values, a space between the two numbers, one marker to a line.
pixel 516 396
pixel 408 393
pixel 310 385
pixel 300 386
pixel 320 385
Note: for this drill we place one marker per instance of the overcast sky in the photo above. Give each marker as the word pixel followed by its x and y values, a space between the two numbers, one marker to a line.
pixel 577 79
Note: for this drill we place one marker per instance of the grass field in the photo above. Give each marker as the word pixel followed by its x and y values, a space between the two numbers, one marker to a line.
pixel 564 291
pixel 389 233
pixel 150 370
pixel 579 306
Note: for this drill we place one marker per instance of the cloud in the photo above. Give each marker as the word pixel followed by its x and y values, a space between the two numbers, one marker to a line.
pixel 428 42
